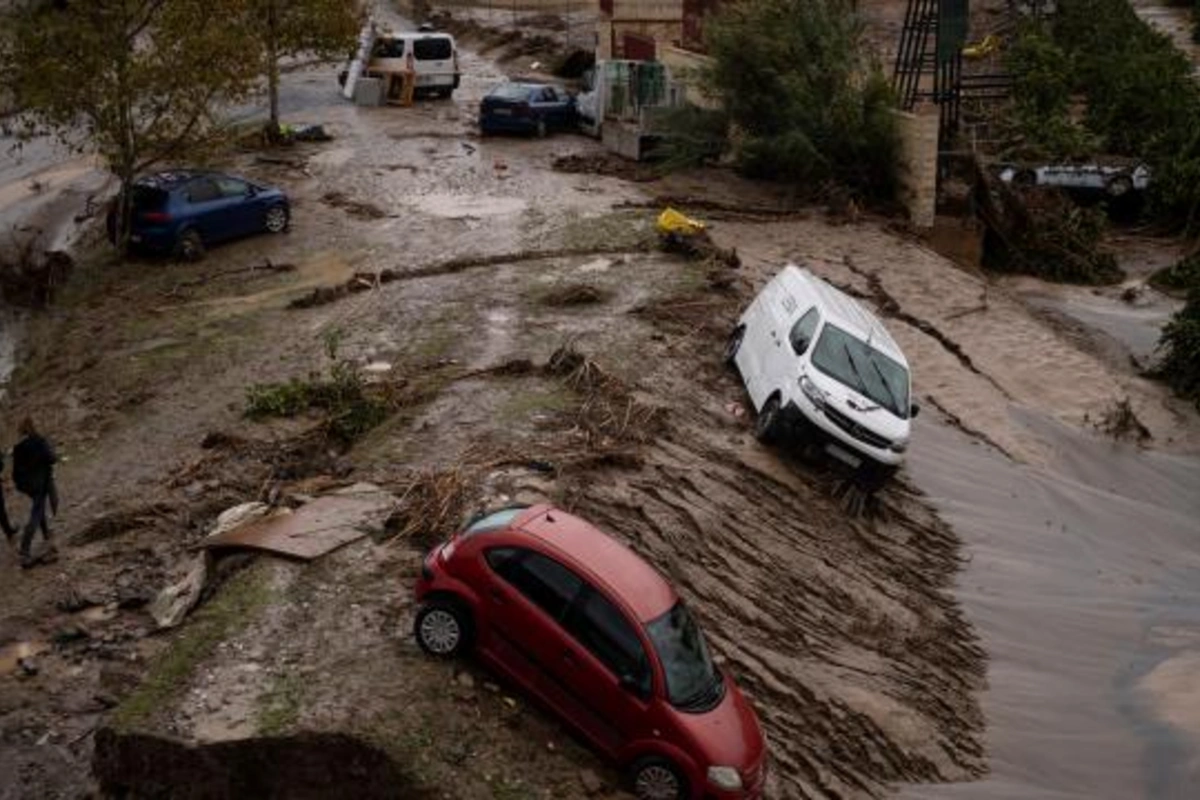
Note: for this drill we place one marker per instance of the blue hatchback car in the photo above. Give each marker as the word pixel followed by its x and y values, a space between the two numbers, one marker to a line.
pixel 182 213
pixel 526 107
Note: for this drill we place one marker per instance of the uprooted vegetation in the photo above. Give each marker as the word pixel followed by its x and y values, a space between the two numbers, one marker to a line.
pixel 349 405
pixel 1041 232
pixel 604 425
pixel 1120 422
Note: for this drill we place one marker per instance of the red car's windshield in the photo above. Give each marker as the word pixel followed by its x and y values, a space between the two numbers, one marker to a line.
pixel 692 681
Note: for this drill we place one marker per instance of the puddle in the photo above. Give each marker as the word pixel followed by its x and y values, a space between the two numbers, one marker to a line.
pixel 462 206
pixel 335 157
pixel 10 654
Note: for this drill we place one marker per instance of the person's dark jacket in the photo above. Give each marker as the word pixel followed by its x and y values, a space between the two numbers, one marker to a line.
pixel 33 465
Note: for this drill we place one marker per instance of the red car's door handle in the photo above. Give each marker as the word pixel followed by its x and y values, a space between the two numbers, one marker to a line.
pixel 497 595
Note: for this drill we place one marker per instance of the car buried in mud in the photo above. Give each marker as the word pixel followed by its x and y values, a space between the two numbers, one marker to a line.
pixel 822 371
pixel 598 637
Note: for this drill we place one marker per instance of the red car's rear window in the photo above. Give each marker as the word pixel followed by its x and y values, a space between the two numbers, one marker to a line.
pixel 494 521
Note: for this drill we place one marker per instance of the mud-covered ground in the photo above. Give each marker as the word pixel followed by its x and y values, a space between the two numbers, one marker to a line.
pixel 842 627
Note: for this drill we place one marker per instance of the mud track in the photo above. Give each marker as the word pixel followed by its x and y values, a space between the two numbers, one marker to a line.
pixel 795 604
pixel 842 630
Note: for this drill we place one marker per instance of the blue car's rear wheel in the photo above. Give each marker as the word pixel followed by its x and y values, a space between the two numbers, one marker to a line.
pixel 277 219
pixel 189 246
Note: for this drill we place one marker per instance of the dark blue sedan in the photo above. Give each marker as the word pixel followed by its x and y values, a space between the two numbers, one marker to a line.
pixel 182 213
pixel 523 107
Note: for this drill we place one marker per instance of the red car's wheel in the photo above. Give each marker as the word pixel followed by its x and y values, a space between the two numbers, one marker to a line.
pixel 443 628
pixel 657 778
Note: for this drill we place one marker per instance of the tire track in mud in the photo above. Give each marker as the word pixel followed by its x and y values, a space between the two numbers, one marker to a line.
pixel 860 663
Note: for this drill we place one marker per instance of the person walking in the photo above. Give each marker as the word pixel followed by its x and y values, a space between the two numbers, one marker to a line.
pixel 33 475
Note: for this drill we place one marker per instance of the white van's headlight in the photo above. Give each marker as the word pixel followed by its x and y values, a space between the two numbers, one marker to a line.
pixel 726 778
pixel 812 391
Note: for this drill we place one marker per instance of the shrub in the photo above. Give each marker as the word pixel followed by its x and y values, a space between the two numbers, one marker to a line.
pixel 807 104
pixel 1042 94
pixel 1181 276
pixel 1180 346
pixel 349 405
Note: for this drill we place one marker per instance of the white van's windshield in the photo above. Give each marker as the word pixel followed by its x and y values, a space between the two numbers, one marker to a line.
pixel 851 361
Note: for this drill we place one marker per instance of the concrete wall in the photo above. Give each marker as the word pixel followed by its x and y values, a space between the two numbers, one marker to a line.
pixel 649 11
pixel 919 134
pixel 532 6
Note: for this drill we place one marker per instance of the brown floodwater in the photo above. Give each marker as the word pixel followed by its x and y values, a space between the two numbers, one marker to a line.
pixel 1083 581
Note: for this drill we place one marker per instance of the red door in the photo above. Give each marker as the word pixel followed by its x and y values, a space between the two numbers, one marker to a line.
pixel 606 667
pixel 528 595
pixel 639 48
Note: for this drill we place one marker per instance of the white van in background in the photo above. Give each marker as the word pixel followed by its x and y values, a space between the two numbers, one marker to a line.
pixel 822 369
pixel 432 57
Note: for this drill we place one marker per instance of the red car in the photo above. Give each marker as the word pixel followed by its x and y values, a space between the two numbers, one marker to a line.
pixel 598 636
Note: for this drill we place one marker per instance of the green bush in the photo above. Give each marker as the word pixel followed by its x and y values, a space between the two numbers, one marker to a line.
pixel 1180 345
pixel 347 403
pixel 1180 277
pixel 1042 93
pixel 806 103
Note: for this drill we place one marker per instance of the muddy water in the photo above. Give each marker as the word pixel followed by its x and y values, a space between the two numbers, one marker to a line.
pixel 1083 582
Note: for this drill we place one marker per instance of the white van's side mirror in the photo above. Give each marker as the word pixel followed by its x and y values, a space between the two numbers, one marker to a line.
pixel 914 410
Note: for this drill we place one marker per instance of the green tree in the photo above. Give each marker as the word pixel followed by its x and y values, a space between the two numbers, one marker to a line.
pixel 137 82
pixel 286 28
pixel 809 104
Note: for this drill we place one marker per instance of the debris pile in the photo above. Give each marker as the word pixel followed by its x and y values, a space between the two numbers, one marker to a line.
pixel 1040 231
pixel 1121 423
pixel 610 414
pixel 29 274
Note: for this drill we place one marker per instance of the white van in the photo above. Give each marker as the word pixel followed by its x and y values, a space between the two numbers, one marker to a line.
pixel 821 368
pixel 433 57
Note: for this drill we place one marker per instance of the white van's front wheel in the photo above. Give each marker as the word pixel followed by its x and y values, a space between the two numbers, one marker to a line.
pixel 768 425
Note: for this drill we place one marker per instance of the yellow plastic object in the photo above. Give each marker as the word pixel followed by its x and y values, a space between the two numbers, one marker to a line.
pixel 989 45
pixel 671 221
